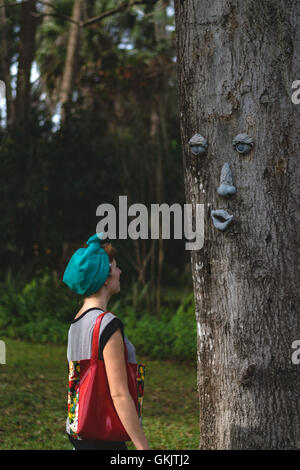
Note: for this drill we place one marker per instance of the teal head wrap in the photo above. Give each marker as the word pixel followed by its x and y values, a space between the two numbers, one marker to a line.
pixel 88 268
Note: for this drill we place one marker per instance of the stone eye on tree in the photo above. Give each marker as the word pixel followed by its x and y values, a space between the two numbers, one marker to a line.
pixel 243 143
pixel 198 144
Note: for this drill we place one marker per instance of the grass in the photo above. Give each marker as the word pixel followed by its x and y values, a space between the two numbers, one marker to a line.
pixel 33 403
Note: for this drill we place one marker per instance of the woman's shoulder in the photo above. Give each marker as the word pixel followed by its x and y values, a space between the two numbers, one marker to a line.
pixel 109 325
pixel 108 319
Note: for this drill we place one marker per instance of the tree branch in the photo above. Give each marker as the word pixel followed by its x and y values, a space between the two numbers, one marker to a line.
pixel 123 6
pixel 57 15
pixel 126 4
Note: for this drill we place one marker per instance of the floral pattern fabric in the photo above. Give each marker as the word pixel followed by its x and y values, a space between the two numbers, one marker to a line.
pixel 73 397
pixel 140 386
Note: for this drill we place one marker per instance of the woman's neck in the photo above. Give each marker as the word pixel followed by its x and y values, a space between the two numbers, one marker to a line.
pixel 97 302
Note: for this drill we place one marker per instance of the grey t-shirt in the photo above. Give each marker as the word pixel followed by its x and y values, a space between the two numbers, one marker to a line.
pixel 81 334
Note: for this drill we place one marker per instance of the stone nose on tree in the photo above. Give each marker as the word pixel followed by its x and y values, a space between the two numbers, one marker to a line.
pixel 226 187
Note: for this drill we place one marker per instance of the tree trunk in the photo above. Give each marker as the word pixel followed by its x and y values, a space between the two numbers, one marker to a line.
pixel 236 62
pixel 26 56
pixel 5 64
pixel 157 152
pixel 158 135
pixel 47 8
pixel 72 51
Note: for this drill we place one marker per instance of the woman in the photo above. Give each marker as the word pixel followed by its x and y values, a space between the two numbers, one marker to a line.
pixel 93 272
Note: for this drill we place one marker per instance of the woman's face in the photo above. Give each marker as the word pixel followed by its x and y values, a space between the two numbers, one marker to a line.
pixel 114 278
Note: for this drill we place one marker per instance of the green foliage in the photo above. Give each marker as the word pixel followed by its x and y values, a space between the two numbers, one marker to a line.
pixel 53 179
pixel 41 309
pixel 171 335
pixel 38 310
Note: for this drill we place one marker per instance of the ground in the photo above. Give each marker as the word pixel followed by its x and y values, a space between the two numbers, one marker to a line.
pixel 33 391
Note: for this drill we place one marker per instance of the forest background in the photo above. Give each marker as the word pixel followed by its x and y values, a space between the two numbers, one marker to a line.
pixel 90 113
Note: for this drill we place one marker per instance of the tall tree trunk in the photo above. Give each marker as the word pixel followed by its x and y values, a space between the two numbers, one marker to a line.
pixel 47 8
pixel 5 64
pixel 26 56
pixel 157 151
pixel 236 64
pixel 158 135
pixel 72 51
pixel 50 98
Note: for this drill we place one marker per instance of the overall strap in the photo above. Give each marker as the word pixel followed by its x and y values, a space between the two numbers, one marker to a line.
pixel 95 342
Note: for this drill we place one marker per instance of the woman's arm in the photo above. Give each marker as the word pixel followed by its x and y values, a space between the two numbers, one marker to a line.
pixel 114 358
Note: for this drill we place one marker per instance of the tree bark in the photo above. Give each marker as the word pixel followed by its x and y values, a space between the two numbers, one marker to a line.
pixel 236 62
